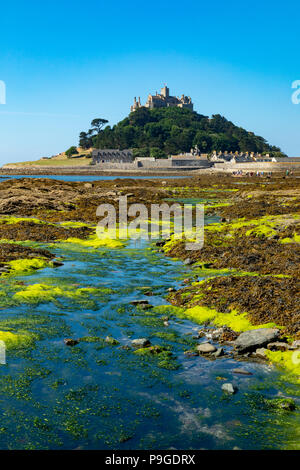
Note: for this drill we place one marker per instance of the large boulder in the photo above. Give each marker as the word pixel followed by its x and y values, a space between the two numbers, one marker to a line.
pixel 253 339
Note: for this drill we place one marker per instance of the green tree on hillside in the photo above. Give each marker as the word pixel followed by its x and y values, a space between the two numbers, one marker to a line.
pixel 97 124
pixel 85 141
pixel 71 151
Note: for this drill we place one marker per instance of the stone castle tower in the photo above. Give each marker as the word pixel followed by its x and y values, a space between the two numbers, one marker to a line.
pixel 164 100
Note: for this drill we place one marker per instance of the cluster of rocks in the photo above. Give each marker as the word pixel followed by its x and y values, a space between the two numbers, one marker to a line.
pixel 249 344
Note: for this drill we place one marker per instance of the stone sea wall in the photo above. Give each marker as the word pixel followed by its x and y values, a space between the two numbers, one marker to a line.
pixel 258 166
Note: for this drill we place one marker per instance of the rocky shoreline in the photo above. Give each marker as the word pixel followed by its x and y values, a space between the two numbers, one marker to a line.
pixel 246 275
pixel 88 171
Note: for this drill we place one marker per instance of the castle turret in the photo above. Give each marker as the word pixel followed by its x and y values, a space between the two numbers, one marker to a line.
pixel 136 104
pixel 165 91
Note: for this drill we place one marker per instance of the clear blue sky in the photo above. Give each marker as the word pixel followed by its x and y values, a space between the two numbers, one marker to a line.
pixel 67 62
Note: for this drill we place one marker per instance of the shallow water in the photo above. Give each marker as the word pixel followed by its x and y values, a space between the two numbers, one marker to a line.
pixel 97 396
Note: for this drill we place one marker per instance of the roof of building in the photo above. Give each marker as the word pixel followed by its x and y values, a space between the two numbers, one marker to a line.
pixel 111 151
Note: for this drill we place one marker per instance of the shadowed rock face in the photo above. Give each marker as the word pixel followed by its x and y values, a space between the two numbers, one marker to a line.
pixel 253 339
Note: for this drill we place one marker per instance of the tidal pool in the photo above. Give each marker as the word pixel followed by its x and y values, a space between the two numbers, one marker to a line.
pixel 97 395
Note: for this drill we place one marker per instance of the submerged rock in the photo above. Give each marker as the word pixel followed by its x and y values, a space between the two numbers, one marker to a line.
pixel 125 347
pixel 190 353
pixel 241 372
pixel 112 341
pixel 205 348
pixel 57 264
pixel 229 388
pixel 140 343
pixel 155 349
pixel 253 339
pixel 287 404
pixel 70 342
pixel 139 302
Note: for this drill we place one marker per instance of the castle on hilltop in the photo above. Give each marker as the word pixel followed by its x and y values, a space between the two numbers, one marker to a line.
pixel 163 100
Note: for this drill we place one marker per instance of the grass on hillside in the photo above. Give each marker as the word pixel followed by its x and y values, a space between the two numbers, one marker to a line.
pixel 53 162
pixel 59 160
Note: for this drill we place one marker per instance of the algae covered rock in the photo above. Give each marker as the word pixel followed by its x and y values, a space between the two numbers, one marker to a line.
pixel 111 341
pixel 140 342
pixel 254 339
pixel 285 404
pixel 150 350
